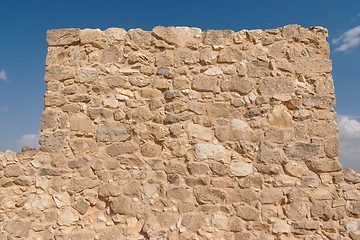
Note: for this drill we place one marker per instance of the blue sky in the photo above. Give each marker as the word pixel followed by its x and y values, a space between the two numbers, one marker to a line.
pixel 23 26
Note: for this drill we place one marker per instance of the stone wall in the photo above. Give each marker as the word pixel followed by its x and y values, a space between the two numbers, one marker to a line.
pixel 182 134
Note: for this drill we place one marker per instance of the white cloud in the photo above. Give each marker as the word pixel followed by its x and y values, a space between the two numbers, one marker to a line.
pixel 3 75
pixel 349 134
pixel 28 140
pixel 348 40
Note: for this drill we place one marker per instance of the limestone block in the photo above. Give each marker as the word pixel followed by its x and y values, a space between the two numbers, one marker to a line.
pixel 12 170
pixel 193 221
pixel 199 132
pixel 67 217
pixel 112 132
pixel 247 212
pixel 94 37
pixel 206 195
pixel 86 75
pixel 248 195
pixel 277 85
pixel 18 229
pixel 209 151
pixel 82 145
pixel 196 168
pixel 271 196
pixel 312 66
pixel 205 83
pixel 54 99
pixel 116 149
pixel 301 151
pixel 281 227
pixel 207 55
pixel 324 165
pixel 58 73
pixel 218 39
pixel 81 205
pixel 81 124
pixel 179 193
pixel 125 206
pixel 115 34
pixel 231 54
pixel 139 38
pixel 241 169
pixel 150 149
pixel 64 36
pixel 241 85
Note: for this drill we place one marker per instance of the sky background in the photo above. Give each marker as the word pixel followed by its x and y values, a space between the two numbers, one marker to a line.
pixel 23 26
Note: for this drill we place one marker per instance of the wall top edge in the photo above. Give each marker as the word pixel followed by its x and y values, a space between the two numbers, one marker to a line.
pixel 73 36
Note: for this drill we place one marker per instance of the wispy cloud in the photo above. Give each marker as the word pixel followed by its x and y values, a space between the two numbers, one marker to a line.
pixel 348 40
pixel 28 140
pixel 3 75
pixel 349 133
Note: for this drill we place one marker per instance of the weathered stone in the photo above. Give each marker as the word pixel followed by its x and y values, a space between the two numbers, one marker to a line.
pixel 81 206
pixel 180 194
pixel 199 132
pixel 324 165
pixel 241 85
pixel 150 149
pixel 121 148
pixel 81 124
pixel 58 73
pixel 125 206
pixel 248 196
pixel 231 54
pixel 86 75
pixel 203 83
pixel 12 170
pixel 247 212
pixel 301 151
pixel 18 229
pixel 64 36
pixel 209 151
pixel 112 133
pixel 196 168
pixel 281 227
pixel 66 218
pixel 206 195
pixel 193 221
pixel 271 196
pixel 241 169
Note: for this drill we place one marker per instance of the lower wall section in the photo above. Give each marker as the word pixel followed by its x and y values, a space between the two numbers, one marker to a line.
pixel 99 197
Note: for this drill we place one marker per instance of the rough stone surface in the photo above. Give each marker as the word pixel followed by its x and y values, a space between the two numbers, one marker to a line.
pixel 177 133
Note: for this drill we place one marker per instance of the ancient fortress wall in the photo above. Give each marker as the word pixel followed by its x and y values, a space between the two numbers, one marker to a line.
pixel 182 134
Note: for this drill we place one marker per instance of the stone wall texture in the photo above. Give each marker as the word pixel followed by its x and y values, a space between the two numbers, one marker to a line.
pixel 178 133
